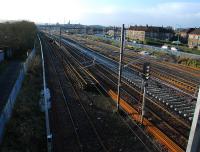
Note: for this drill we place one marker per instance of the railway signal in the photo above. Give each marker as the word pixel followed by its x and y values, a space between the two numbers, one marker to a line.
pixel 146 75
pixel 146 71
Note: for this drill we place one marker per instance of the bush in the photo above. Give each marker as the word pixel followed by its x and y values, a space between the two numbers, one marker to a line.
pixel 189 62
pixel 19 36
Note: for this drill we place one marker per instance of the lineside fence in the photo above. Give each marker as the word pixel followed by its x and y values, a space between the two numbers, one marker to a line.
pixel 6 113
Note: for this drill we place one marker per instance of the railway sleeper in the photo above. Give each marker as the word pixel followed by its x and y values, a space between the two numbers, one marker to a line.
pixel 177 102
pixel 164 92
pixel 185 108
pixel 188 115
pixel 181 110
pixel 165 98
pixel 169 103
pixel 162 95
pixel 191 110
pixel 181 105
pixel 174 98
pixel 171 98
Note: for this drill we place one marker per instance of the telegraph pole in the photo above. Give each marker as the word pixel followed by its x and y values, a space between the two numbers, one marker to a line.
pixel 120 67
pixel 143 99
pixel 194 137
pixel 60 38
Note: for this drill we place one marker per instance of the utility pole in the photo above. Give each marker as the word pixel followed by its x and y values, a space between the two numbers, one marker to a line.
pixel 114 34
pixel 120 67
pixel 60 38
pixel 194 137
pixel 178 39
pixel 85 30
pixel 143 100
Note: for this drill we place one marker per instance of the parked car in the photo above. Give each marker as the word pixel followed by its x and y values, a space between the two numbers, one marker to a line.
pixel 144 53
pixel 165 47
pixel 174 49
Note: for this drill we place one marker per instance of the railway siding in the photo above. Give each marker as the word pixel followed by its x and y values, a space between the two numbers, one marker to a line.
pixel 76 99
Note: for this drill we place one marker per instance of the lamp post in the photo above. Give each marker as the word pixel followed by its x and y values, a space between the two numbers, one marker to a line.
pixel 178 39
pixel 60 38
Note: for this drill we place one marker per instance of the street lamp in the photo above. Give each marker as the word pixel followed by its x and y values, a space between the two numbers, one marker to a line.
pixel 178 39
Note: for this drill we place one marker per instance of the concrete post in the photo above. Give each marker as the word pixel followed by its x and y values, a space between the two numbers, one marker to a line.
pixel 194 137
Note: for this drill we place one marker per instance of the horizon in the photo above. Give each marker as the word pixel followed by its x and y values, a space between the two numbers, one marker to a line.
pixel 174 27
pixel 177 13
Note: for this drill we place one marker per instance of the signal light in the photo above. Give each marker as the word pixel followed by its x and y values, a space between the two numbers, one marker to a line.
pixel 146 70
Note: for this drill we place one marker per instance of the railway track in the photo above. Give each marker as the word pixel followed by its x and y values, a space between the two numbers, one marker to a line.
pixel 168 124
pixel 85 137
pixel 172 98
pixel 170 73
pixel 60 129
pixel 139 133
pixel 88 138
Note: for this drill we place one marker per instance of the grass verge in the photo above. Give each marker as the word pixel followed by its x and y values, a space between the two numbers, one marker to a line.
pixel 25 131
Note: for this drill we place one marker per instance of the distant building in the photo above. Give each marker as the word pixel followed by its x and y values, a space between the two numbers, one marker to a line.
pixel 184 34
pixel 194 39
pixel 114 32
pixel 149 32
pixel 95 29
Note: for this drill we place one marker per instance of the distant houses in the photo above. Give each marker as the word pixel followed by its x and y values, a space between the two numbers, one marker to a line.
pixel 115 32
pixel 194 39
pixel 184 34
pixel 152 35
pixel 142 33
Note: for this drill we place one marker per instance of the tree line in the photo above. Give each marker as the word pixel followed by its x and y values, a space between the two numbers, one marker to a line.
pixel 19 36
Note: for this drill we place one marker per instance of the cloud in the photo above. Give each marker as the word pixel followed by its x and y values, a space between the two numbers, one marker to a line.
pixel 103 12
pixel 168 14
pixel 174 10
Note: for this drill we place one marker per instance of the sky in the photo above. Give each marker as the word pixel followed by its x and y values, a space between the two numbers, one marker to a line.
pixel 176 13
